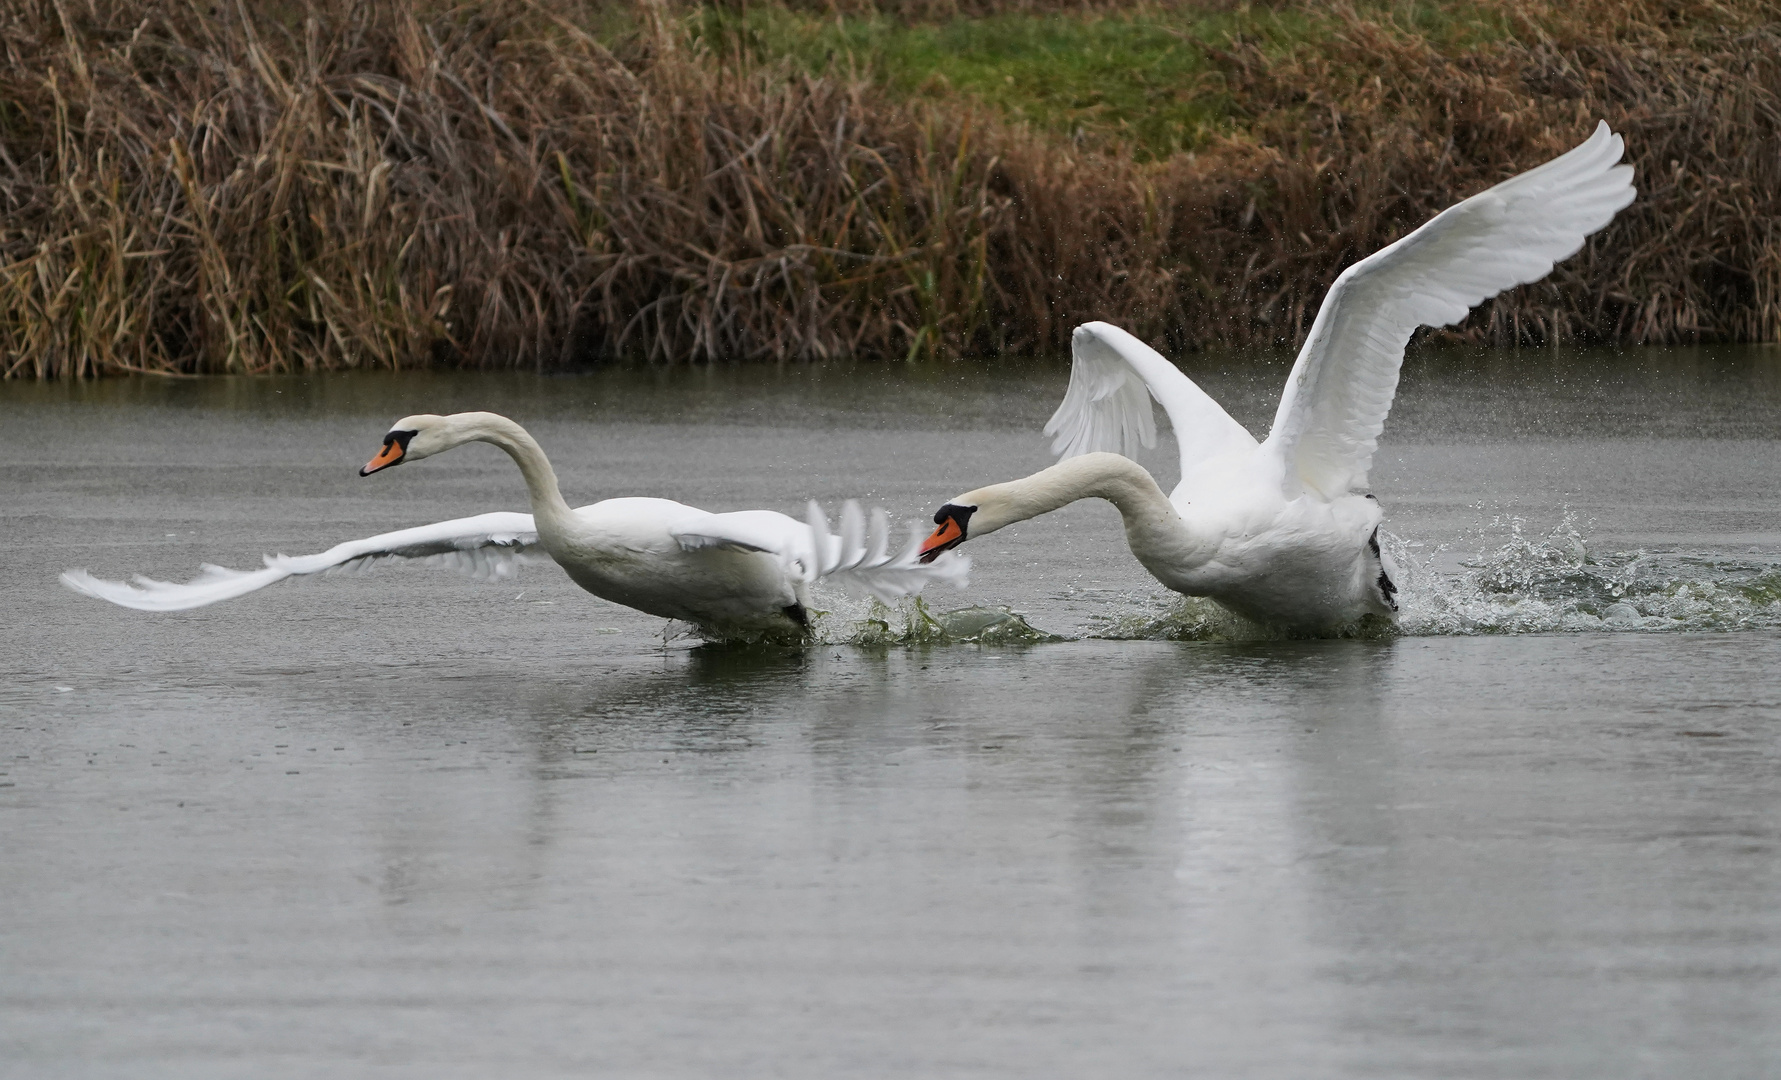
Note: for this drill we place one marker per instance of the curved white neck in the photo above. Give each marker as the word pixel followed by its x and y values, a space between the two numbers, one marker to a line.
pixel 1152 525
pixel 548 507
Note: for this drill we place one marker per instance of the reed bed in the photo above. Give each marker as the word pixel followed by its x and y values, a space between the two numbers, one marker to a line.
pixel 336 184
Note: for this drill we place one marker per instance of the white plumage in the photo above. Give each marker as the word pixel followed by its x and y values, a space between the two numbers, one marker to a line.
pixel 743 573
pixel 1343 382
pixel 488 546
pixel 1273 529
pixel 1107 405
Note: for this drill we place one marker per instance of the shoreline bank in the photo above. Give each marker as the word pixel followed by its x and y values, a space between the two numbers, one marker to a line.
pixel 541 186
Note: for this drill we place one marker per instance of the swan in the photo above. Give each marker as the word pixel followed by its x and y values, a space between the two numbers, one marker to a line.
pixel 742 574
pixel 1277 530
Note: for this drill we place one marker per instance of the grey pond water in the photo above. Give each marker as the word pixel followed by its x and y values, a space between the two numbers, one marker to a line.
pixel 407 824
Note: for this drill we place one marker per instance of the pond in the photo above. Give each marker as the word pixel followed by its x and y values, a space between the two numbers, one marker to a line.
pixel 405 822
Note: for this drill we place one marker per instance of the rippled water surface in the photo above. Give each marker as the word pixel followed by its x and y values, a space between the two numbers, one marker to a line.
pixel 403 823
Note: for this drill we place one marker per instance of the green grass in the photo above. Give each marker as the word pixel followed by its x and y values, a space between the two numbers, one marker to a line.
pixel 1134 79
pixel 1147 79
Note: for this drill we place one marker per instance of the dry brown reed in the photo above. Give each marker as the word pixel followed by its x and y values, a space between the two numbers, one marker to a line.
pixel 217 191
pixel 344 184
pixel 1369 137
pixel 1348 144
pixel 928 11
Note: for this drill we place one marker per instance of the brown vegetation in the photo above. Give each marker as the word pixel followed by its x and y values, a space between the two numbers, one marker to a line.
pixel 338 184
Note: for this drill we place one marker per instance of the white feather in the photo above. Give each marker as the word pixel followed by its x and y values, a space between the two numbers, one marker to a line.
pixel 739 574
pixel 1113 376
pixel 859 557
pixel 1343 382
pixel 488 546
pixel 1274 530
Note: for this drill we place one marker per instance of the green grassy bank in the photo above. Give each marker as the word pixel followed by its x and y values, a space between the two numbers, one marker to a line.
pixel 1148 81
pixel 544 183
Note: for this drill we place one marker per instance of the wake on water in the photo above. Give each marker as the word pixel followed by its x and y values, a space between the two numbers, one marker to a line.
pixel 1553 582
pixel 1516 579
pixel 1519 581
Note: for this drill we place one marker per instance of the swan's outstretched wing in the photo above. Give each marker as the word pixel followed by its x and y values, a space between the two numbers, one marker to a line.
pixel 1113 376
pixel 1341 386
pixel 861 555
pixel 488 546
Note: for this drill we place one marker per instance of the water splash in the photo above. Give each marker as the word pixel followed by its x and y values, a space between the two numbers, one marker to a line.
pixel 1167 617
pixel 1555 581
pixel 1520 581
pixel 912 623
pixel 872 623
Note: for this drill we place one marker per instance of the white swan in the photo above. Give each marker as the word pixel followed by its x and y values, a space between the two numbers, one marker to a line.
pixel 1273 530
pixel 738 574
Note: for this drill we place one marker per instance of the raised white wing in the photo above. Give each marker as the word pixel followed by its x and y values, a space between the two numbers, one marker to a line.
pixel 861 555
pixel 488 546
pixel 1341 386
pixel 1113 376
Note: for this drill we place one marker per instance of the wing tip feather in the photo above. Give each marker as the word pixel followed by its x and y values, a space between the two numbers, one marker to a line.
pixel 1573 196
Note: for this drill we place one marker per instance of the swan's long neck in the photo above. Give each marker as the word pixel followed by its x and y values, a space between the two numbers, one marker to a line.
pixel 548 507
pixel 1153 528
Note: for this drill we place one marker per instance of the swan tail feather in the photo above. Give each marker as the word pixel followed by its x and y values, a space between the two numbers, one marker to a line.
pixel 862 556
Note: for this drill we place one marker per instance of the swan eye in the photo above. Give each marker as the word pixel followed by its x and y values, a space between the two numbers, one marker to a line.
pixel 954 521
pixel 395 445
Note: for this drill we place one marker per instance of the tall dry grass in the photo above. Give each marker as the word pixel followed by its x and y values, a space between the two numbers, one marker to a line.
pixel 1695 88
pixel 338 184
pixel 1347 145
pixel 374 185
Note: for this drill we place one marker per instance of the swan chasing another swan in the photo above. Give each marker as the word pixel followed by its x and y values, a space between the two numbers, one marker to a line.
pixel 1276 530
pixel 740 574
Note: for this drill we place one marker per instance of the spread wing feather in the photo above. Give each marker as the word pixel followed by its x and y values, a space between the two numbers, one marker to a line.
pixel 1342 384
pixel 487 546
pixel 860 555
pixel 1113 376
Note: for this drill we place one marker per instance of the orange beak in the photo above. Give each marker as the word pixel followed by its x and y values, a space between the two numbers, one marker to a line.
pixel 391 454
pixel 947 535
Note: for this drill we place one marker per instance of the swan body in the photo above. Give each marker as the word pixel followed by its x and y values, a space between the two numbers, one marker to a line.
pixel 1279 530
pixel 738 574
